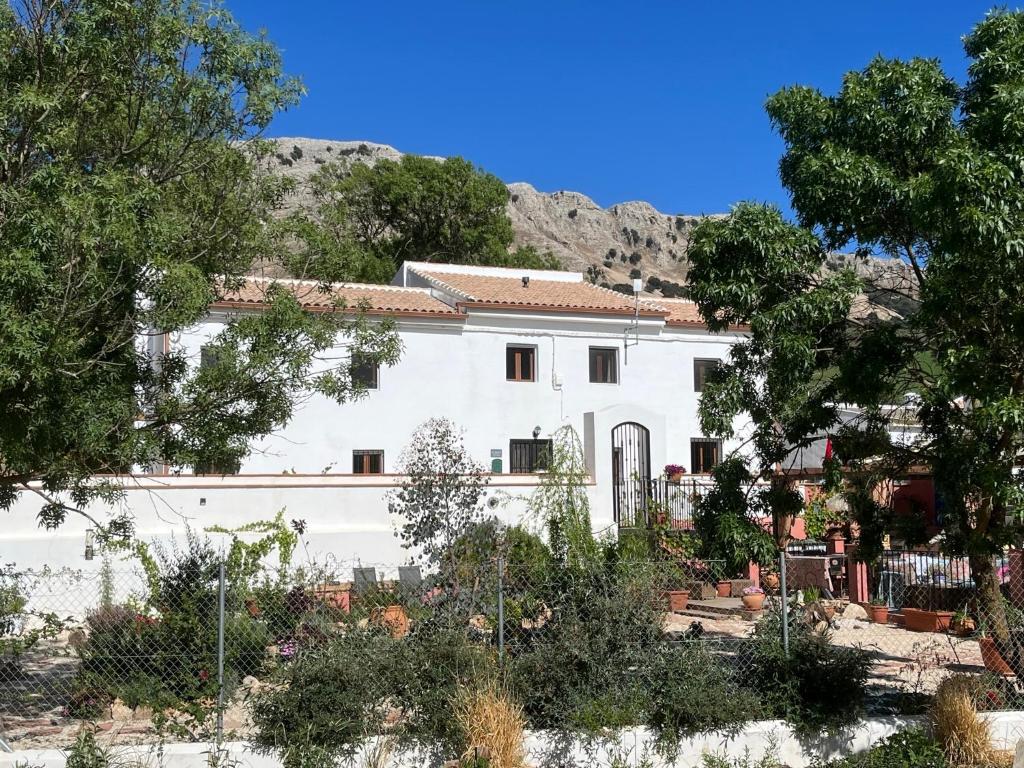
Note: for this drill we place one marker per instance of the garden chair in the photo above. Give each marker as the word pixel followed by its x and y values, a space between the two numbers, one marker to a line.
pixel 363 580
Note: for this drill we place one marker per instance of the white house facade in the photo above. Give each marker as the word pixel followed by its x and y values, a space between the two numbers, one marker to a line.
pixel 508 355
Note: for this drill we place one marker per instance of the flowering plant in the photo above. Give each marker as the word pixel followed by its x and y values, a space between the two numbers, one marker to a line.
pixel 675 469
pixel 753 591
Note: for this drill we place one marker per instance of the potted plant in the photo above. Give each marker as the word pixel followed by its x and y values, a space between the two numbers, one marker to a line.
pixel 753 598
pixel 677 599
pixel 991 657
pixel 674 472
pixel 770 582
pixel 962 624
pixel 878 610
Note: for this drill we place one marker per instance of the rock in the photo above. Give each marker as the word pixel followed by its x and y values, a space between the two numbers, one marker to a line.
pixel 855 612
pixel 821 627
pixel 121 712
pixel 249 682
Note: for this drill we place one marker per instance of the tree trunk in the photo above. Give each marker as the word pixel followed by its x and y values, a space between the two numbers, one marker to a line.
pixel 992 612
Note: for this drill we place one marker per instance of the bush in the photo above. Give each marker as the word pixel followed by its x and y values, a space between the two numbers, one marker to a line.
pixel 164 654
pixel 818 685
pixel 908 749
pixel 330 698
pixel 693 690
pixel 583 667
pixel 635 274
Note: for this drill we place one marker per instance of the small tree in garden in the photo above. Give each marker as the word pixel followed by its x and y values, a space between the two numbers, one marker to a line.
pixel 561 503
pixel 726 519
pixel 442 494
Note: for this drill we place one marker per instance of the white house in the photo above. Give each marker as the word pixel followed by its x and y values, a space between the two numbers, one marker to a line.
pixel 509 355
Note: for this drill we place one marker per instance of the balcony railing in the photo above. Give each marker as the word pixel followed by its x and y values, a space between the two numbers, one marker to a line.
pixel 646 502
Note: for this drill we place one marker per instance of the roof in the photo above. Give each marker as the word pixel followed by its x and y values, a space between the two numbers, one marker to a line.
pixel 374 299
pixel 490 291
pixel 681 312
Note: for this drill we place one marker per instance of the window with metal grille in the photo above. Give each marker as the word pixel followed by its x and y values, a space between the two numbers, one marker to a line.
pixel 604 365
pixel 217 466
pixel 367 462
pixel 363 372
pixel 705 454
pixel 208 356
pixel 519 363
pixel 701 369
pixel 526 456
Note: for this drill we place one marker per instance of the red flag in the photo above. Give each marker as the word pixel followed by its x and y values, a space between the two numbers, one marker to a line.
pixel 828 448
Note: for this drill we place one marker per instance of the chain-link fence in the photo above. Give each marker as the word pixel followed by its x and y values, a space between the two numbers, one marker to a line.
pixel 202 647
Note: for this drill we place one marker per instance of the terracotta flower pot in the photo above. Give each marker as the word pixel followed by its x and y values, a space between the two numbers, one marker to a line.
pixel 677 599
pixel 394 618
pixel 753 602
pixel 926 621
pixel 963 627
pixel 675 477
pixel 770 582
pixel 252 607
pixel 878 613
pixel 993 660
pixel 724 588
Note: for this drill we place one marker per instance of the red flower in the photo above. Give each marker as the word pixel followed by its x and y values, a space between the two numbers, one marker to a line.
pixel 204 675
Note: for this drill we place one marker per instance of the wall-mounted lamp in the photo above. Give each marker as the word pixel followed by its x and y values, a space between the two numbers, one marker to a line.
pixel 536 432
pixel 90 543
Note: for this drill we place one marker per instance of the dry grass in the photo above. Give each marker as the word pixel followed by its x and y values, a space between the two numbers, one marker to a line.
pixel 964 736
pixel 493 723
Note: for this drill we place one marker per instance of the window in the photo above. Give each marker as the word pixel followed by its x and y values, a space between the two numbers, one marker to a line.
pixel 701 368
pixel 526 456
pixel 222 466
pixel 367 462
pixel 363 372
pixel 519 363
pixel 208 357
pixel 705 454
pixel 604 365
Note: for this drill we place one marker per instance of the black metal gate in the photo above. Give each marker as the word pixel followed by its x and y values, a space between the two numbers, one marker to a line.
pixel 631 473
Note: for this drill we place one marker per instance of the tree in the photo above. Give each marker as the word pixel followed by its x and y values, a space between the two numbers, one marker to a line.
pixel 366 220
pixel 130 199
pixel 907 165
pixel 561 503
pixel 442 495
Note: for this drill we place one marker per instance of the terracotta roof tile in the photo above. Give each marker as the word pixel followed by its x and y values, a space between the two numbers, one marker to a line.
pixel 377 299
pixel 681 312
pixel 493 291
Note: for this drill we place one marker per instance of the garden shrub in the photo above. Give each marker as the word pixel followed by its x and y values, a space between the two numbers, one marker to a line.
pixel 329 698
pixel 692 690
pixel 818 685
pixel 164 653
pixel 583 667
pixel 907 749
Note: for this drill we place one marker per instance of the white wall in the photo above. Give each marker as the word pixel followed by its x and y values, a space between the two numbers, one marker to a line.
pixel 448 368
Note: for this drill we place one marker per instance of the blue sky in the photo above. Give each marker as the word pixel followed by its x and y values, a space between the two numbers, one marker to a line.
pixel 657 101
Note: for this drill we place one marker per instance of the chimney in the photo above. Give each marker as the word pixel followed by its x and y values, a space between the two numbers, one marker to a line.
pixel 526 281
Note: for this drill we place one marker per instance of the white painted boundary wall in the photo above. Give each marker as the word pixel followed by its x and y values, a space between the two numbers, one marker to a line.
pixel 758 739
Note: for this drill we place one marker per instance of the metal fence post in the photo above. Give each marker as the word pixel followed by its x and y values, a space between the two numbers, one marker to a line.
pixel 220 656
pixel 501 609
pixel 785 602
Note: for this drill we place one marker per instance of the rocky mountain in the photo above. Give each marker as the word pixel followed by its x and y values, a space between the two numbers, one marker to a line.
pixel 612 245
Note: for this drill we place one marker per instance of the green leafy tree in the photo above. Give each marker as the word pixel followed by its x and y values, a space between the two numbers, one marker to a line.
pixel 560 502
pixel 442 496
pixel 367 219
pixel 907 165
pixel 130 199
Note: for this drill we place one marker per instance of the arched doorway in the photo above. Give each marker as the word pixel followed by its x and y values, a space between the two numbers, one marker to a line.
pixel 631 473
